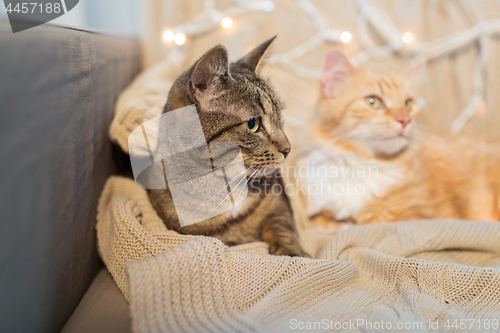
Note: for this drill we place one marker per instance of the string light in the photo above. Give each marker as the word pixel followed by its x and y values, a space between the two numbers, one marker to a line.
pixel 268 6
pixel 370 16
pixel 407 37
pixel 345 37
pixel 168 36
pixel 179 38
pixel 227 23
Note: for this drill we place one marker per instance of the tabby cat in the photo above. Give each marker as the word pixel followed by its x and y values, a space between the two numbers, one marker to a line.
pixel 379 166
pixel 236 105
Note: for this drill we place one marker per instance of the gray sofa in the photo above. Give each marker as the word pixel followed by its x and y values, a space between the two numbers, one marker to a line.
pixel 58 87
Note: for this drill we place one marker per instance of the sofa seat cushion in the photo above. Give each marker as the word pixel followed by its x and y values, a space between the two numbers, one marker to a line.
pixel 102 309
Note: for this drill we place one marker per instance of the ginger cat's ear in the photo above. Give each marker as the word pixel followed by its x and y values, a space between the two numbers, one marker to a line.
pixel 253 59
pixel 209 70
pixel 336 72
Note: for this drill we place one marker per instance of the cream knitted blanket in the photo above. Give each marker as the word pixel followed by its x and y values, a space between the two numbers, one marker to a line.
pixel 427 276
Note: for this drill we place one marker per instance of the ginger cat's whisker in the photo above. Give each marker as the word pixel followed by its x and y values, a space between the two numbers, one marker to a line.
pixel 441 143
pixel 341 137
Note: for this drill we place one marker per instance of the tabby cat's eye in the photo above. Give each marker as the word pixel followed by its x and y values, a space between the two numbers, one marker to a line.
pixel 408 104
pixel 253 124
pixel 374 102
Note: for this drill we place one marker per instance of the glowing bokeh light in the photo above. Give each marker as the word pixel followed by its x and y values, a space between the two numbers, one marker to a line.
pixel 179 38
pixel 407 37
pixel 168 36
pixel 227 23
pixel 345 37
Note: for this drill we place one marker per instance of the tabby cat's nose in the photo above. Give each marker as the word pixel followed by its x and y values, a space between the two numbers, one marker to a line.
pixel 285 152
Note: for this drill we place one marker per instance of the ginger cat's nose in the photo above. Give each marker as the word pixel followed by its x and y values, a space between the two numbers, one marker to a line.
pixel 403 120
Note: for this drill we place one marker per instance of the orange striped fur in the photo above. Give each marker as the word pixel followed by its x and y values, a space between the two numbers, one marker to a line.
pixel 442 177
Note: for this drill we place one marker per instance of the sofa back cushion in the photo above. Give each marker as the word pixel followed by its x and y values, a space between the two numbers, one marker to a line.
pixel 58 87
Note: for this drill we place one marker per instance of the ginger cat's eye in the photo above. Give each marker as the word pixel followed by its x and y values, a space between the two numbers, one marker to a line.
pixel 374 102
pixel 409 104
pixel 253 124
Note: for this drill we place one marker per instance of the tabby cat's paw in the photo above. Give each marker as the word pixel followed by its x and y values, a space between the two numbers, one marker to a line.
pixel 278 250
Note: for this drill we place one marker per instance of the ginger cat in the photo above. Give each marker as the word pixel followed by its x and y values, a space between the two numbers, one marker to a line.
pixel 367 162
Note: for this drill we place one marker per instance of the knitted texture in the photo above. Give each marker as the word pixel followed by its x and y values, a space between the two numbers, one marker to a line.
pixel 142 100
pixel 407 272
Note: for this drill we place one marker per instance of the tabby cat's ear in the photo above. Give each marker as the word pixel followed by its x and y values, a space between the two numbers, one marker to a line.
pixel 210 70
pixel 336 71
pixel 254 58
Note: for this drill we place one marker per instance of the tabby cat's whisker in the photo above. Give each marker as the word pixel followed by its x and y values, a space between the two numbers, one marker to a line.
pixel 244 178
pixel 243 187
pixel 224 187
